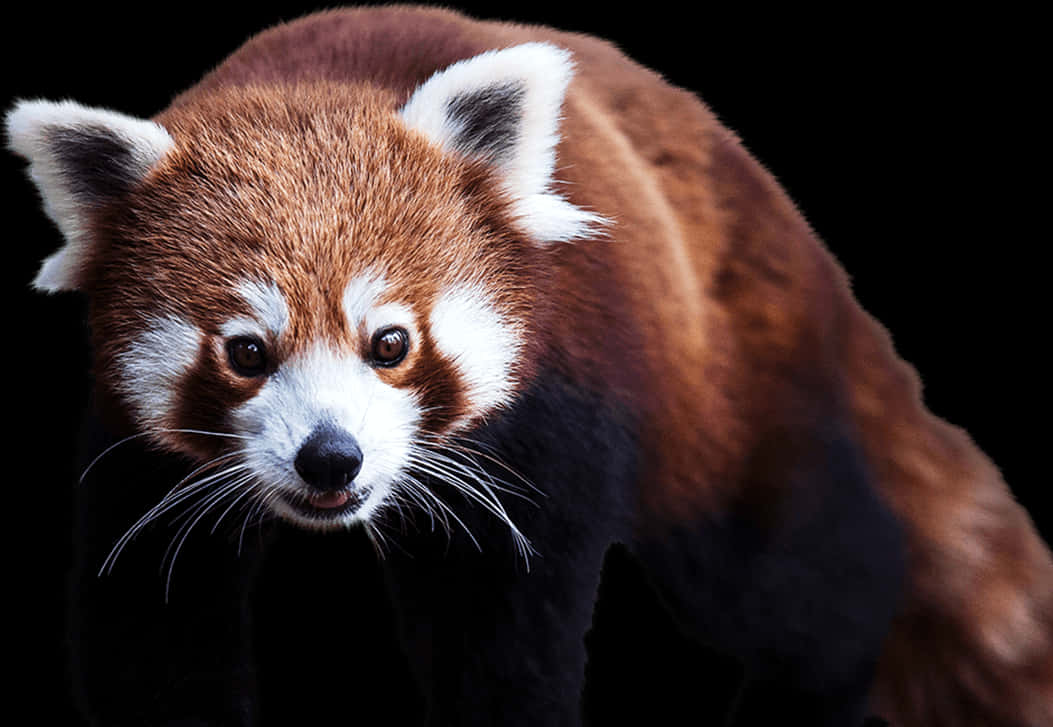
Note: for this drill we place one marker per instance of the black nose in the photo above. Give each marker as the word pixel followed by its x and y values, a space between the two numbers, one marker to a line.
pixel 329 458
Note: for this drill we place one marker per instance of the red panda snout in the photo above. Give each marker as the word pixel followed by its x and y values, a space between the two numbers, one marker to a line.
pixel 329 460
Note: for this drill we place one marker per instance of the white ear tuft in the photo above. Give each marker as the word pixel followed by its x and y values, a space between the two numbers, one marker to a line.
pixel 80 158
pixel 503 107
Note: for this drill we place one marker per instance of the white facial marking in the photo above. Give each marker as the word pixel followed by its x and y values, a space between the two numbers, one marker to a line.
pixel 479 342
pixel 270 313
pixel 153 366
pixel 268 305
pixel 363 311
pixel 325 386
pixel 389 314
pixel 360 296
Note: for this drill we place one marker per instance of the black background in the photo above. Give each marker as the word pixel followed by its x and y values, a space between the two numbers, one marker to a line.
pixel 905 138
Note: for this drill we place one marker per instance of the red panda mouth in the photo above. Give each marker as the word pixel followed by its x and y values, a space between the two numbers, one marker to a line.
pixel 329 500
pixel 327 505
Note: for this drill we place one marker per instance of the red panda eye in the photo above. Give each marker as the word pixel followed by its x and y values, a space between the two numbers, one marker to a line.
pixel 390 346
pixel 247 356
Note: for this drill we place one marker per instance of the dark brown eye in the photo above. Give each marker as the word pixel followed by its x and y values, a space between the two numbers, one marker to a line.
pixel 390 346
pixel 247 356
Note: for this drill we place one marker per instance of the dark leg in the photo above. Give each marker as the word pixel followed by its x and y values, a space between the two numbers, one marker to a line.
pixel 500 645
pixel 643 667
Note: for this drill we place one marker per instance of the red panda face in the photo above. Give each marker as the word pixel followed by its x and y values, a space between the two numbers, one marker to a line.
pixel 336 280
pixel 306 287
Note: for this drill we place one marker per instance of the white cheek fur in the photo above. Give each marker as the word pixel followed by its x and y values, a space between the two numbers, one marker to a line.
pixel 153 366
pixel 480 344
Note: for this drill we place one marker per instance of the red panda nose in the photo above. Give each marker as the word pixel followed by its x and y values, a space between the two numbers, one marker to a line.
pixel 329 459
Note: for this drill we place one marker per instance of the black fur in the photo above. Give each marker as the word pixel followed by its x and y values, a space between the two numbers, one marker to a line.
pixel 98 165
pixel 489 120
pixel 800 606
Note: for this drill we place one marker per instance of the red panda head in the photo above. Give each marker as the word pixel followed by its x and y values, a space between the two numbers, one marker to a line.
pixel 309 280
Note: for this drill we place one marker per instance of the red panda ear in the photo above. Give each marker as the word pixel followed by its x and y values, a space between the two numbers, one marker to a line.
pixel 503 107
pixel 80 158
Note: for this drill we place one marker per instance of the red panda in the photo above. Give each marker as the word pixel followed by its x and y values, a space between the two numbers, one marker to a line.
pixel 393 260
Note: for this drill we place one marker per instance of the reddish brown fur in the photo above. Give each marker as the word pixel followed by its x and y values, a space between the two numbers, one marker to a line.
pixel 262 225
pixel 704 310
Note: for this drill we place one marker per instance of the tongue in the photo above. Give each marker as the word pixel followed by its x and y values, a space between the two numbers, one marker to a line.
pixel 329 500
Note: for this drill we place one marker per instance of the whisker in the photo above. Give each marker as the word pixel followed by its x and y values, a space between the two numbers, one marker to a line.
pixel 147 433
pixel 250 511
pixel 248 491
pixel 444 509
pixel 376 539
pixel 474 469
pixel 261 510
pixel 412 491
pixel 522 543
pixel 447 470
pixel 193 512
pixel 450 471
pixel 461 447
pixel 396 500
pixel 490 456
pixel 211 501
pixel 207 481
pixel 172 498
pixel 192 515
pixel 107 451
pixel 411 498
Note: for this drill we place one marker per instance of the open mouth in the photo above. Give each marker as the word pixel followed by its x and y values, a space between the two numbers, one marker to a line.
pixel 326 505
